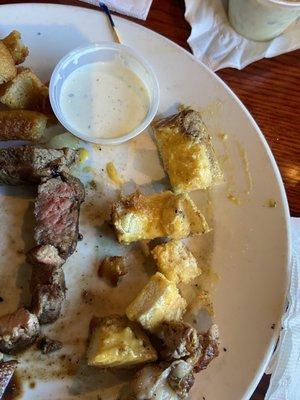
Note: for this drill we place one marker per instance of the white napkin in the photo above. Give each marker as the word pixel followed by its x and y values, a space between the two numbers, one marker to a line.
pixel 218 45
pixel 285 363
pixel 134 8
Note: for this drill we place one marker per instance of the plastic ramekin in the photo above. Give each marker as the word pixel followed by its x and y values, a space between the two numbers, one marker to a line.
pixel 105 52
pixel 262 20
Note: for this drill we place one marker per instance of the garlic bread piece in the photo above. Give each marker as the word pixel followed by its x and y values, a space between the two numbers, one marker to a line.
pixel 158 301
pixel 187 152
pixel 176 262
pixel 25 91
pixel 8 69
pixel 117 342
pixel 22 125
pixel 16 47
pixel 163 214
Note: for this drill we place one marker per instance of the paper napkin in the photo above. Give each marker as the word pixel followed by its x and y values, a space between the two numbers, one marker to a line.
pixel 285 363
pixel 134 8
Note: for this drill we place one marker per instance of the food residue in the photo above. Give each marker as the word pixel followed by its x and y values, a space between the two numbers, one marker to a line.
pixel 92 185
pixel 245 161
pixel 223 136
pixel 83 155
pixel 113 174
pixel 234 199
pixel 202 301
pixel 272 203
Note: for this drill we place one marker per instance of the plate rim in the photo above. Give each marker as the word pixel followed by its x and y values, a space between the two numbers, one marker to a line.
pixel 285 206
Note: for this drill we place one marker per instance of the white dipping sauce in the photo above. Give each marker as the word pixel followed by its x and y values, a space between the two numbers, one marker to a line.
pixel 104 99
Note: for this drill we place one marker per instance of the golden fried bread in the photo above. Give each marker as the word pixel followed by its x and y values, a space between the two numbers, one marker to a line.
pixel 117 342
pixel 187 152
pixel 163 214
pixel 158 301
pixel 8 69
pixel 25 91
pixel 21 125
pixel 176 262
pixel 16 47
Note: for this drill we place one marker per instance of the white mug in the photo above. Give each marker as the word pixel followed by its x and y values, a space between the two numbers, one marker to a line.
pixel 262 20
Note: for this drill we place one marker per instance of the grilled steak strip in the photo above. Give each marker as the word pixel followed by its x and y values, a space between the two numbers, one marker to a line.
pixel 57 213
pixel 28 164
pixel 48 292
pixel 18 330
pixel 7 370
pixel 179 340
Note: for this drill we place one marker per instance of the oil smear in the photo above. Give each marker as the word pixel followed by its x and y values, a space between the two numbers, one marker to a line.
pixel 236 168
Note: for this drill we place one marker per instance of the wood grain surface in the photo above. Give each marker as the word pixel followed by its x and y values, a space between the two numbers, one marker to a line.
pixel 269 88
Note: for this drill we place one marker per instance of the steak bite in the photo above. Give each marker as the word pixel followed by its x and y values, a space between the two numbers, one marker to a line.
pixel 57 213
pixel 18 330
pixel 7 370
pixel 28 164
pixel 210 348
pixel 45 255
pixel 47 345
pixel 179 340
pixel 48 292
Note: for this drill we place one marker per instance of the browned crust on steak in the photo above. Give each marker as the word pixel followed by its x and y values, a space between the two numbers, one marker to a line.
pixel 48 292
pixel 210 348
pixel 7 370
pixel 18 330
pixel 29 164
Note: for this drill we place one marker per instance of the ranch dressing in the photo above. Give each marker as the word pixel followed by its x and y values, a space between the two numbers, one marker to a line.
pixel 104 99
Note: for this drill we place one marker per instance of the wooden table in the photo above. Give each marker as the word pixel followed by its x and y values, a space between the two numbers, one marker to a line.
pixel 269 88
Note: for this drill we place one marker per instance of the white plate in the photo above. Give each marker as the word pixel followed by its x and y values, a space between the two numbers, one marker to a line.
pixel 250 242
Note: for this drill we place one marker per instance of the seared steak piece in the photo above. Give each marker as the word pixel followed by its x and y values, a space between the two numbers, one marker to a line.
pixel 45 255
pixel 57 213
pixel 210 348
pixel 48 292
pixel 47 345
pixel 28 164
pixel 7 370
pixel 18 330
pixel 179 340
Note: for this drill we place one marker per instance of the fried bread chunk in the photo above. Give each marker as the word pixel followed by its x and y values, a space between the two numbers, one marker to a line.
pixel 187 152
pixel 22 125
pixel 25 91
pixel 163 214
pixel 16 47
pixel 117 342
pixel 8 69
pixel 176 262
pixel 158 301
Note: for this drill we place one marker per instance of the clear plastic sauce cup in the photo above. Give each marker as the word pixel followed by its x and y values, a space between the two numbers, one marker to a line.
pixel 104 93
